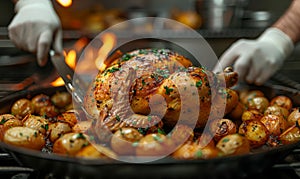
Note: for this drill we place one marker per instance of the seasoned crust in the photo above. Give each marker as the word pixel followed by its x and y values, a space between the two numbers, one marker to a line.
pixel 153 82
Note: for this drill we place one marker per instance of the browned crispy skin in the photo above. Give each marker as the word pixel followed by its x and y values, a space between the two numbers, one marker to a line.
pixel 156 83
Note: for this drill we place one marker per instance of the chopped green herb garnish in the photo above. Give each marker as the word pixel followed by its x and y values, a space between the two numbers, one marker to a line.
pixel 126 57
pixel 91 138
pixel 198 83
pixel 80 136
pixel 168 90
pixel 254 127
pixel 143 51
pixel 134 123
pixel 143 82
pixel 161 131
pixel 121 131
pixel 225 140
pixel 165 73
pixel 135 144
pixel 113 69
pixel 155 76
pixel 118 118
pixel 143 130
pixel 84 145
pixel 3 120
pixel 46 127
pixel 157 138
pixel 198 154
pixel 154 50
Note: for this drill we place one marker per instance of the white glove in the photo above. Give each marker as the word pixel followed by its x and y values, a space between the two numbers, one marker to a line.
pixel 34 27
pixel 257 60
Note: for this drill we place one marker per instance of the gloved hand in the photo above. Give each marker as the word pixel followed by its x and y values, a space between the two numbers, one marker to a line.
pixel 257 60
pixel 34 28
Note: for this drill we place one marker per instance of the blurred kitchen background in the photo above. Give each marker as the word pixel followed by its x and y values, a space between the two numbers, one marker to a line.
pixel 220 22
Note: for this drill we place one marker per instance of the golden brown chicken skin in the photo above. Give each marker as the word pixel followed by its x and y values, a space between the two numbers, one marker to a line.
pixel 160 84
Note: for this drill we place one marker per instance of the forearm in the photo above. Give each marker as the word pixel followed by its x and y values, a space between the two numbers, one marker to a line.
pixel 289 23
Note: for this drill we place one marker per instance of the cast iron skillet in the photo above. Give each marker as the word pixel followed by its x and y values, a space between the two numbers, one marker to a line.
pixel 225 167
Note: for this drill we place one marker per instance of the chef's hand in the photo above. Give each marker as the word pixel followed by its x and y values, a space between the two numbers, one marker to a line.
pixel 35 28
pixel 257 60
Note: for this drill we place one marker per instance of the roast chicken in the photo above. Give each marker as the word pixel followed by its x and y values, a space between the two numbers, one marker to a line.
pixel 146 88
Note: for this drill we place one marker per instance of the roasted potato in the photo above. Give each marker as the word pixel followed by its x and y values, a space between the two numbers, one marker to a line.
pixel 249 120
pixel 252 114
pixel 230 97
pixel 155 145
pixel 70 143
pixel 232 100
pixel 275 124
pixel 96 151
pixel 49 111
pixel 2 131
pixel 233 144
pixel 36 122
pixel 205 140
pixel 61 99
pixel 291 135
pixel 181 134
pixel 282 101
pixel 237 111
pixel 124 141
pixel 40 101
pixel 194 151
pixel 22 107
pixel 9 121
pixel 24 137
pixel 293 117
pixel 68 117
pixel 222 127
pixel 258 103
pixel 278 111
pixel 246 96
pixel 242 95
pixel 227 98
pixel 81 126
pixel 255 132
pixel 57 129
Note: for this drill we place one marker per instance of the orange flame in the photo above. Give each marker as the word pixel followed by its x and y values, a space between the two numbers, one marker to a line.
pixel 58 82
pixel 65 3
pixel 80 43
pixel 70 58
pixel 109 41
